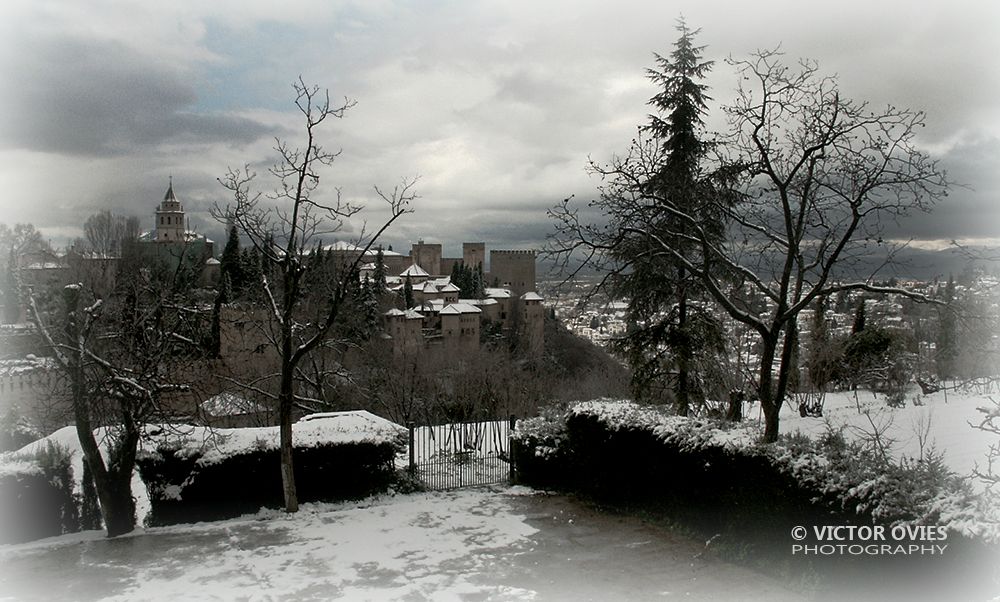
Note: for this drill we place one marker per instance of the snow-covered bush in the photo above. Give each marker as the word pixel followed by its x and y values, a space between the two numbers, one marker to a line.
pixel 36 495
pixel 195 473
pixel 621 449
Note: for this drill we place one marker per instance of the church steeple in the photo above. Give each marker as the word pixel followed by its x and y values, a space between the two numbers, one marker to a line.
pixel 170 217
pixel 170 190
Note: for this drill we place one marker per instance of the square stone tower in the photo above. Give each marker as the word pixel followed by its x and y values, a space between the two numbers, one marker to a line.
pixel 473 254
pixel 514 270
pixel 427 256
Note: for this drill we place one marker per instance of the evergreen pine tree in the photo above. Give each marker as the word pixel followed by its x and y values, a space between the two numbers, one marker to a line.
pixel 670 345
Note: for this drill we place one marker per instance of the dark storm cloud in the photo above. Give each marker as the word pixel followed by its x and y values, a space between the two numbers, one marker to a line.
pixel 972 207
pixel 92 97
pixel 496 105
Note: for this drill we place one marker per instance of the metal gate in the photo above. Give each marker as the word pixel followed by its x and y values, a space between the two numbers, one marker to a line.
pixel 463 454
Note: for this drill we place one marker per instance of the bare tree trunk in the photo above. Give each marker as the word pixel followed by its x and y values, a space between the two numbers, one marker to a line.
pixel 113 491
pixel 285 421
pixel 117 504
pixel 787 361
pixel 769 403
pixel 114 484
pixel 683 398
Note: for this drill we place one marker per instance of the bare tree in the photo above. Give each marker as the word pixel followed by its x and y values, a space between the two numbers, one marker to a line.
pixel 117 354
pixel 284 227
pixel 16 243
pixel 817 178
pixel 990 474
pixel 107 233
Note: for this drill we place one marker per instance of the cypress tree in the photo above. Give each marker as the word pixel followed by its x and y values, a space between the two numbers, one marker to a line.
pixel 231 259
pixel 859 318
pixel 408 293
pixel 378 276
pixel 478 284
pixel 946 349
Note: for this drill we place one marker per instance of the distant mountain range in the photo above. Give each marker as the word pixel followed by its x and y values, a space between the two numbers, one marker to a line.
pixel 911 263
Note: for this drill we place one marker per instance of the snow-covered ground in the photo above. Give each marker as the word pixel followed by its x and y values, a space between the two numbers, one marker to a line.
pixel 945 418
pixel 480 544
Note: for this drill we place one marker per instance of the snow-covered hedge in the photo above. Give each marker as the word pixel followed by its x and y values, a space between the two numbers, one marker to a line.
pixel 619 448
pixel 36 495
pixel 197 473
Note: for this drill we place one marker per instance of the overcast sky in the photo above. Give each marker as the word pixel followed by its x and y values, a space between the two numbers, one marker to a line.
pixel 496 105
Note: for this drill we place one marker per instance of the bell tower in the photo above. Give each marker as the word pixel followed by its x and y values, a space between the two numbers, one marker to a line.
pixel 170 218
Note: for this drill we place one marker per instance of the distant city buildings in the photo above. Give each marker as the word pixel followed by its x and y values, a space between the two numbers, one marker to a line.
pixel 438 317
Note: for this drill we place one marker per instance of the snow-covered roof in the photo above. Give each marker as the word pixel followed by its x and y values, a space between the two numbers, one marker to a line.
pixel 392 313
pixel 412 314
pixel 230 404
pixel 368 266
pixel 532 296
pixel 414 270
pixel 342 245
pixel 30 363
pixel 430 287
pixel 44 265
pixel 212 261
pixel 96 255
pixel 450 288
pixel 460 308
pixel 498 293
pixel 482 302
pixel 189 236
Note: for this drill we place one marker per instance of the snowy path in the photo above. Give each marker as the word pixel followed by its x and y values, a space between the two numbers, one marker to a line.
pixel 463 545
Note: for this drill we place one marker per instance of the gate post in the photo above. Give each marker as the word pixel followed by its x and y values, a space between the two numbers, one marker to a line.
pixel 413 463
pixel 510 449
